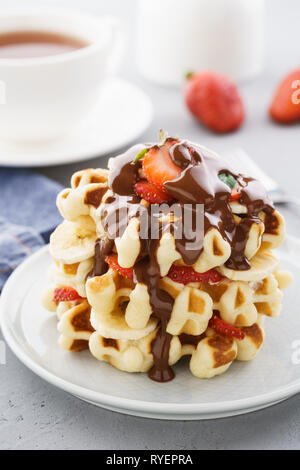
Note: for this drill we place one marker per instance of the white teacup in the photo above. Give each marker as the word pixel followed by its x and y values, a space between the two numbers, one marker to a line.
pixel 45 97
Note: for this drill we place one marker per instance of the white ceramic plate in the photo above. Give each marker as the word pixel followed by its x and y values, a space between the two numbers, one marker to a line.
pixel 123 113
pixel 273 376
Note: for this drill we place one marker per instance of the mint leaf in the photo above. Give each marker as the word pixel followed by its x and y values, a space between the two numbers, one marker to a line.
pixel 140 155
pixel 227 179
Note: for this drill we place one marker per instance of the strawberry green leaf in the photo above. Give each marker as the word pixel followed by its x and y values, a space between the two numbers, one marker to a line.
pixel 140 155
pixel 189 75
pixel 228 179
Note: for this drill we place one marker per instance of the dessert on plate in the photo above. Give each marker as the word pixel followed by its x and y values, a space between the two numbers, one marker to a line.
pixel 166 254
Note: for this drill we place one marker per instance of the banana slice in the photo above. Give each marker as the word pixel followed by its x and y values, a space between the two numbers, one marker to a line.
pixel 262 264
pixel 60 276
pixel 238 208
pixel 71 243
pixel 114 325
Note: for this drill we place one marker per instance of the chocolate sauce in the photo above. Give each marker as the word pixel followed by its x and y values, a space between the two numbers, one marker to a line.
pixel 189 255
pixel 191 339
pixel 181 155
pixel 198 183
pixel 238 260
pixel 254 196
pixel 124 181
pixel 103 247
pixel 146 271
pixel 123 176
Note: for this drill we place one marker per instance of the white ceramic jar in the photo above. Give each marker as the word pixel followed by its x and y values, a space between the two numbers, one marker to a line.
pixel 178 36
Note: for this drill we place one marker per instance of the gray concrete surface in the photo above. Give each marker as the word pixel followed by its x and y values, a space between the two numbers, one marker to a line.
pixel 34 414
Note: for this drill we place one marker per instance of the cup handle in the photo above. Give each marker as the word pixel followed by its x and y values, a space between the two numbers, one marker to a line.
pixel 118 44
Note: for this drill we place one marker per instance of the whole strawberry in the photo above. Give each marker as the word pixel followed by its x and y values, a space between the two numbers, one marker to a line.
pixel 285 107
pixel 215 101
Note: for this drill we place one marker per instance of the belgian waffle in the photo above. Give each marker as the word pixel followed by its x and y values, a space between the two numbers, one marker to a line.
pixel 141 303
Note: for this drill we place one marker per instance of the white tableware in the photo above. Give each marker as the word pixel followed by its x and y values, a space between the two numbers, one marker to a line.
pixel 175 37
pixel 272 376
pixel 43 97
pixel 123 112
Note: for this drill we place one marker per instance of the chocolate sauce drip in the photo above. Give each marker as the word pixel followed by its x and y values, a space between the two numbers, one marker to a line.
pixel 191 339
pixel 160 347
pixel 198 183
pixel 238 260
pixel 188 254
pixel 103 247
pixel 146 271
pixel 254 196
pixel 124 181
pixel 181 155
pixel 123 176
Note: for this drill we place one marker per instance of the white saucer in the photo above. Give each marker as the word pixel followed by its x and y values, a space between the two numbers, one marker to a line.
pixel 123 113
pixel 272 377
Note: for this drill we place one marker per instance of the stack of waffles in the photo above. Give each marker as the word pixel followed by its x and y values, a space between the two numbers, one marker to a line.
pixel 141 306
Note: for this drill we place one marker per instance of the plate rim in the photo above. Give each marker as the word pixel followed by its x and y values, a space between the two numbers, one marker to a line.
pixel 65 159
pixel 123 404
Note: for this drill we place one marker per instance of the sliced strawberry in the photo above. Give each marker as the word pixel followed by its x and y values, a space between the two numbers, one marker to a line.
pixel 234 197
pixel 112 260
pixel 151 193
pixel 65 294
pixel 186 274
pixel 158 165
pixel 225 328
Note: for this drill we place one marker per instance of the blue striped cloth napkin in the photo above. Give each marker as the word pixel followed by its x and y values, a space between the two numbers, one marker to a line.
pixel 28 215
